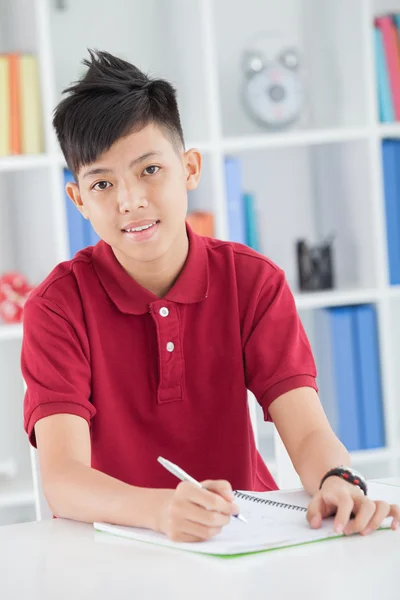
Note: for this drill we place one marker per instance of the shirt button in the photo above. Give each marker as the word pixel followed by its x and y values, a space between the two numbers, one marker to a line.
pixel 164 312
pixel 170 346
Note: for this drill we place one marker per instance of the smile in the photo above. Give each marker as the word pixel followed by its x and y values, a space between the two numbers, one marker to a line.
pixel 141 228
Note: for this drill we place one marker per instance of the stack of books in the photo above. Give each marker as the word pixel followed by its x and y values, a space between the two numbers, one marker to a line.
pixel 349 375
pixel 391 179
pixel 387 50
pixel 20 105
pixel 242 214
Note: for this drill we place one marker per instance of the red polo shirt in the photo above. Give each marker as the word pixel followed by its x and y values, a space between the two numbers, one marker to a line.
pixel 165 376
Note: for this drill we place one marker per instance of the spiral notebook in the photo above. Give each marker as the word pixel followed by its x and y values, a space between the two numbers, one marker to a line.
pixel 275 520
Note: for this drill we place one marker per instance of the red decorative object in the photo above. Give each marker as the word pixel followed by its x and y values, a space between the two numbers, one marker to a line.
pixel 14 291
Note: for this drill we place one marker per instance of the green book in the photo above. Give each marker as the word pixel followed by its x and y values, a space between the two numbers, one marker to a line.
pixel 251 230
pixel 274 520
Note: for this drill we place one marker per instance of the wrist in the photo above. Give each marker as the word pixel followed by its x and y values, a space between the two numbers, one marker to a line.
pixel 142 507
pixel 348 475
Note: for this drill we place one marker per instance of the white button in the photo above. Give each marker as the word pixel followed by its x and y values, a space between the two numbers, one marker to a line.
pixel 164 312
pixel 170 346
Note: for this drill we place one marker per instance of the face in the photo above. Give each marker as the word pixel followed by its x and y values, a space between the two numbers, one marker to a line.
pixel 135 194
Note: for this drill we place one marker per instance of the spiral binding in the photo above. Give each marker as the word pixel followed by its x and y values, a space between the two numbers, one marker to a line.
pixel 269 502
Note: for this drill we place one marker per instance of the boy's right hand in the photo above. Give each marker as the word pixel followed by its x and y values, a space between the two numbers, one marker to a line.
pixel 193 514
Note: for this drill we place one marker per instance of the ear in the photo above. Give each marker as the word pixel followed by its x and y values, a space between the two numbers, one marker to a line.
pixel 74 194
pixel 193 162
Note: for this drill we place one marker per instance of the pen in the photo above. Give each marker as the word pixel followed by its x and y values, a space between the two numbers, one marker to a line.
pixel 183 476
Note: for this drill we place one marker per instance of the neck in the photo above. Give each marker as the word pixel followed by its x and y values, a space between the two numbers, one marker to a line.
pixel 158 276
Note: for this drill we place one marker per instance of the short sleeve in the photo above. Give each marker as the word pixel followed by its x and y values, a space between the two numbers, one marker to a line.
pixel 55 366
pixel 277 353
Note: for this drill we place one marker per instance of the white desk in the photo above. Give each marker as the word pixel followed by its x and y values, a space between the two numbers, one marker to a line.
pixel 60 559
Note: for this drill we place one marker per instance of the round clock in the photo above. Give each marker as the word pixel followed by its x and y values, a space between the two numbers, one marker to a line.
pixel 273 90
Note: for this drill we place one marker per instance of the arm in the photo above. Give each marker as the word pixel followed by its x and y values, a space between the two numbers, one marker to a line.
pixel 74 490
pixel 305 431
pixel 314 449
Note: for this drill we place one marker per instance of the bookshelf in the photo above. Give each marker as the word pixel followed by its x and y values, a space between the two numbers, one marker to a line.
pixel 324 172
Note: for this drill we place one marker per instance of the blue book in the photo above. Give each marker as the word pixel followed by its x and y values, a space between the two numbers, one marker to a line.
pixel 234 199
pixel 385 103
pixel 346 382
pixel 75 221
pixel 91 236
pixel 366 344
pixel 251 222
pixel 390 158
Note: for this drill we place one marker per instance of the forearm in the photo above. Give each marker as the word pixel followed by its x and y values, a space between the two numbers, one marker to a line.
pixel 81 493
pixel 320 451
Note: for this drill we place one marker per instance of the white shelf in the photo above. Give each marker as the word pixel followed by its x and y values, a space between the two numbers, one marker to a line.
pixel 307 137
pixel 389 129
pixel 16 492
pixel 11 332
pixel 323 299
pixel 22 162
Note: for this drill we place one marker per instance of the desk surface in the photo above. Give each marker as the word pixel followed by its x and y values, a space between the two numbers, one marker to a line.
pixel 60 559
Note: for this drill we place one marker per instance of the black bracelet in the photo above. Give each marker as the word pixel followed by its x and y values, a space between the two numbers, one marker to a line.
pixel 348 475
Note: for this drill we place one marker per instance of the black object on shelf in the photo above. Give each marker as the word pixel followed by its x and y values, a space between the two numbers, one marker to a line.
pixel 314 266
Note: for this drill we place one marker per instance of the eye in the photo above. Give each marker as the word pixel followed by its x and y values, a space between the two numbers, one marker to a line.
pixel 101 185
pixel 151 169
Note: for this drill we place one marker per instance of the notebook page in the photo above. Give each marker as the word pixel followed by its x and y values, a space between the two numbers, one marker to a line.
pixel 267 527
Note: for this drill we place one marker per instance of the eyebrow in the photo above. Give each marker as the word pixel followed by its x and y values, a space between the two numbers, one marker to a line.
pixel 135 161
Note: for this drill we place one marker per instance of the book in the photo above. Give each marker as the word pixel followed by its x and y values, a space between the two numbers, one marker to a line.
pixel 30 106
pixel 275 520
pixel 234 199
pixel 390 150
pixel 15 104
pixel 78 235
pixel 5 131
pixel 385 104
pixel 250 215
pixel 368 373
pixel 345 376
pixel 392 55
pixel 91 237
pixel 201 222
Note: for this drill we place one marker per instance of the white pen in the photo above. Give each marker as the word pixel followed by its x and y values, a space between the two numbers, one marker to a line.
pixel 183 476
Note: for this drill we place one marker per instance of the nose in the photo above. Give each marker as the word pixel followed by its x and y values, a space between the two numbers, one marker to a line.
pixel 131 198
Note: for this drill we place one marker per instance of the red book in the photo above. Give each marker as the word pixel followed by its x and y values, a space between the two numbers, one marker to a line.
pixel 392 54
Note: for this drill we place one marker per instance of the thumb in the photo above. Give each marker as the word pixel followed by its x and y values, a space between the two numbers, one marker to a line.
pixel 219 486
pixel 315 510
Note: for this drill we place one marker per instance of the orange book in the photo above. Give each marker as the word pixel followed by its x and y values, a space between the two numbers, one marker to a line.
pixel 4 106
pixel 15 111
pixel 202 223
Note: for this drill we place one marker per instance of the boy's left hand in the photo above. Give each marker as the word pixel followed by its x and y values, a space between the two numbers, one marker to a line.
pixel 341 498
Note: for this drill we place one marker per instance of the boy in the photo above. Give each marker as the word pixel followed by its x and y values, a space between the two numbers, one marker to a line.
pixel 144 345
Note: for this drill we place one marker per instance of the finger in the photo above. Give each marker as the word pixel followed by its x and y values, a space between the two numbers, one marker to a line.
pixel 203 497
pixel 395 513
pixel 383 510
pixel 315 511
pixel 179 536
pixel 365 512
pixel 199 531
pixel 219 486
pixel 198 514
pixel 344 504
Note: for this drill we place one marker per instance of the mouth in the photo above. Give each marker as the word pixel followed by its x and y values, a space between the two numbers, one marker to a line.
pixel 142 232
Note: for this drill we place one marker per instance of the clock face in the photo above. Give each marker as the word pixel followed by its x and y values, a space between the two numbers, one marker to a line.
pixel 274 96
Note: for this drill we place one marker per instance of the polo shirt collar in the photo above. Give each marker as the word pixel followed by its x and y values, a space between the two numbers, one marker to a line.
pixel 130 297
